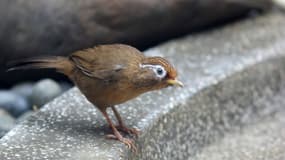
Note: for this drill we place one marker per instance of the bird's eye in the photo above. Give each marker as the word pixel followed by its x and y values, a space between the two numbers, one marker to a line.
pixel 159 71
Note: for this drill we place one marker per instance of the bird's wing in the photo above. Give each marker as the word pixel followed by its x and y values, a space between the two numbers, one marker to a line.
pixel 89 64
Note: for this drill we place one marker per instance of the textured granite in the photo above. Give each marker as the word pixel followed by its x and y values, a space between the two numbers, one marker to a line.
pixel 263 140
pixel 231 76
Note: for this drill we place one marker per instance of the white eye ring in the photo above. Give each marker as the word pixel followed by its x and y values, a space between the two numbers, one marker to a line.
pixel 159 70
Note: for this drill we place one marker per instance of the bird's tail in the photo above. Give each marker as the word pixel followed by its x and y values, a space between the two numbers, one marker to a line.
pixel 61 64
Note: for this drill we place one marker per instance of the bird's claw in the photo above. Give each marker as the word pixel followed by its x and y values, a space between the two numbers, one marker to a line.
pixel 128 130
pixel 130 143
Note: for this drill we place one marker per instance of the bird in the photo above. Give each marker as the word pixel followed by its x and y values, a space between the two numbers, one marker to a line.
pixel 109 75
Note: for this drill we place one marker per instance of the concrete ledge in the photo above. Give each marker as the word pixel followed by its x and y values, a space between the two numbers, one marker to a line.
pixel 231 76
pixel 260 140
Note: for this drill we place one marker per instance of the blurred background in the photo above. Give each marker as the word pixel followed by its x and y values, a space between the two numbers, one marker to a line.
pixel 34 28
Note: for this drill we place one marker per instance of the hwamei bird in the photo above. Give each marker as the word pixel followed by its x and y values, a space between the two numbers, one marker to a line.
pixel 109 75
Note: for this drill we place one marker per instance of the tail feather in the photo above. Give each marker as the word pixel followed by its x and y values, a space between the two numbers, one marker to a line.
pixel 61 64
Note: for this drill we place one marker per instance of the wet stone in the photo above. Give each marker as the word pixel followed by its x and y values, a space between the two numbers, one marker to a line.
pixel 23 89
pixel 13 103
pixel 44 91
pixel 7 122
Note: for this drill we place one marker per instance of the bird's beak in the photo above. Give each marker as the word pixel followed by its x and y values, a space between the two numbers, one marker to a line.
pixel 175 82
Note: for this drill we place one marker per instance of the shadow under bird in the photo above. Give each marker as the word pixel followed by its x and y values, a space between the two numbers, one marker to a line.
pixel 109 75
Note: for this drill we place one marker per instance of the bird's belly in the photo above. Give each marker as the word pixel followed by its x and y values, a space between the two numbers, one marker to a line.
pixel 105 95
pixel 119 97
pixel 108 96
pixel 111 98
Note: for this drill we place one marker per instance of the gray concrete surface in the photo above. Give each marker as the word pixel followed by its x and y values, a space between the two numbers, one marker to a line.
pixel 232 77
pixel 264 139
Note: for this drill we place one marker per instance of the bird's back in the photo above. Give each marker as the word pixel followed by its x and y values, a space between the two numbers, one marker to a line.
pixel 104 73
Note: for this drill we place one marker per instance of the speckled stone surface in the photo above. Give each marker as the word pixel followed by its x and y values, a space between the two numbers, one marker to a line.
pixel 264 140
pixel 232 77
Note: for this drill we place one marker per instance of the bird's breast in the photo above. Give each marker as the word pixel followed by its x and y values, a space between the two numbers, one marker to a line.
pixel 106 94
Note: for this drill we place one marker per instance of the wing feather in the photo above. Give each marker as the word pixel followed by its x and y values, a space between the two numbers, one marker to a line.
pixel 107 62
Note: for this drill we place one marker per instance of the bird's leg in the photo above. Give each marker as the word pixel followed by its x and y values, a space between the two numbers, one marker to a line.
pixel 122 126
pixel 117 134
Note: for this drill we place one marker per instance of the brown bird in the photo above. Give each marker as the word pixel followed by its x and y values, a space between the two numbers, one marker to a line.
pixel 109 75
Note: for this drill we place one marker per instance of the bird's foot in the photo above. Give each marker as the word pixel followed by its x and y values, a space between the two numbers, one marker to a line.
pixel 125 129
pixel 130 143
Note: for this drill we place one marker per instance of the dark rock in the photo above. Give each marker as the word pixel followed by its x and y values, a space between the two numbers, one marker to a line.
pixel 44 91
pixel 7 122
pixel 23 89
pixel 13 103
pixel 48 27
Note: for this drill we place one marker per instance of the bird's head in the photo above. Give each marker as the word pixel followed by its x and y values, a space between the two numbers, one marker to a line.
pixel 158 73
